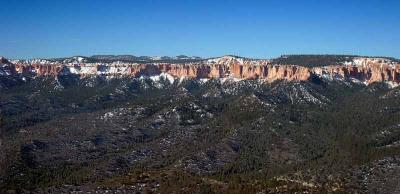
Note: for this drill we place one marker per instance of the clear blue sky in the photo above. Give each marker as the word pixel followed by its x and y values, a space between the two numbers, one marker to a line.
pixel 264 28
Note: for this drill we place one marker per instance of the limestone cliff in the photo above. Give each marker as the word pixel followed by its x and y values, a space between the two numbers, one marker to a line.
pixel 367 70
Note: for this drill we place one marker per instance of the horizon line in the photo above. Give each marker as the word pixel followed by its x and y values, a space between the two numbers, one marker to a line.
pixel 209 57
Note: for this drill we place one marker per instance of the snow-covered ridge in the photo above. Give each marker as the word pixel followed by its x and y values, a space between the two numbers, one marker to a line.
pixel 228 59
pixel 363 61
pixel 108 59
pixel 225 60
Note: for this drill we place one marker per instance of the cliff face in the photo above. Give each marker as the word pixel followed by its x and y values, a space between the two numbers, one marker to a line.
pixel 365 70
pixel 367 73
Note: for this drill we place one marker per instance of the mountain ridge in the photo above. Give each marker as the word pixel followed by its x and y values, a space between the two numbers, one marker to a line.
pixel 291 68
pixel 114 57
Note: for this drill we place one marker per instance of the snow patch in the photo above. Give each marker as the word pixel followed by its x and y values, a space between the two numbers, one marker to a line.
pixel 164 76
pixel 392 84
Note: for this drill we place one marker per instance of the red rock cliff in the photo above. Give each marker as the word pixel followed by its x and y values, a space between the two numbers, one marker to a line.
pixel 367 71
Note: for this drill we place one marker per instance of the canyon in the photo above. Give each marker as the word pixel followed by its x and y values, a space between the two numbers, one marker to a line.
pixel 364 69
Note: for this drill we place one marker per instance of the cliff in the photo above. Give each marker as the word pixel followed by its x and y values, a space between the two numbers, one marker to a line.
pixel 367 70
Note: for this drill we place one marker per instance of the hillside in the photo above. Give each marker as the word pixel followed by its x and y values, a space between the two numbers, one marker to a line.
pixel 164 132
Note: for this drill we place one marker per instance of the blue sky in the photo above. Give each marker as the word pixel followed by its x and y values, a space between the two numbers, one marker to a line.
pixel 263 29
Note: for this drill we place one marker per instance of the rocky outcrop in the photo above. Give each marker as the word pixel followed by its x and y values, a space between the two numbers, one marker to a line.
pixel 6 68
pixel 3 60
pixel 367 73
pixel 367 70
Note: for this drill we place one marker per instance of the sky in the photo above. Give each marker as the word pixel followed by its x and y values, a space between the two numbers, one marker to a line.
pixel 205 28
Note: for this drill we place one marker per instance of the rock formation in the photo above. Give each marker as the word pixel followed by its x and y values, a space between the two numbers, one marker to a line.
pixel 367 70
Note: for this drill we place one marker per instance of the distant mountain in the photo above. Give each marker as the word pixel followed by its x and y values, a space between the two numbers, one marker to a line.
pixel 138 59
pixel 301 60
